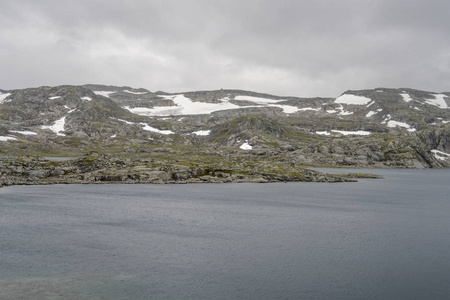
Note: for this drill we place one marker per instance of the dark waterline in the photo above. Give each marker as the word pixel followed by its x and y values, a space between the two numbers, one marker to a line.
pixel 375 239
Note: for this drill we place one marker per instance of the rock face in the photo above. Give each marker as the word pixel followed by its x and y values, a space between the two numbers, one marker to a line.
pixel 214 136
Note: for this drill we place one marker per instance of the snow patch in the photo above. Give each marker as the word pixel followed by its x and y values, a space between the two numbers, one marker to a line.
pixel 323 133
pixel 358 132
pixel 125 121
pixel 135 93
pixel 371 113
pixel 287 109
pixel 246 146
pixel 352 99
pixel 345 113
pixel 7 138
pixel 153 129
pixel 308 108
pixel 406 97
pixel 438 101
pixel 3 97
pixel 58 127
pixel 440 155
pixel 104 93
pixel 113 136
pixel 257 100
pixel 54 97
pixel 169 97
pixel 26 132
pixel 393 124
pixel 185 106
pixel 202 132
pixel 86 98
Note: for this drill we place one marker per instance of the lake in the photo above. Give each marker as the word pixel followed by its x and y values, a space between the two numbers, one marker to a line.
pixel 374 239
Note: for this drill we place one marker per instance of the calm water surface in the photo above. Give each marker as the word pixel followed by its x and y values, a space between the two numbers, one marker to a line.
pixel 375 239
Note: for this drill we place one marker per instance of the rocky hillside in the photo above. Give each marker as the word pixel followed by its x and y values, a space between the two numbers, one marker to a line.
pixel 229 129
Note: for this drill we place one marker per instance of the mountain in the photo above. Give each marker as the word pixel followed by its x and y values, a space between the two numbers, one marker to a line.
pixel 233 130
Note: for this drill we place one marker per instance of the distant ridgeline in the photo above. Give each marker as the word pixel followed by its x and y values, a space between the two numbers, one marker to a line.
pixel 229 130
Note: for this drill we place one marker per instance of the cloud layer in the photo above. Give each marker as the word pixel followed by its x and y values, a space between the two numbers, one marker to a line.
pixel 285 47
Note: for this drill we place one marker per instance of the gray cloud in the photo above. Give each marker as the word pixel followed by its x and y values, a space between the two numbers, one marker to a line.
pixel 285 47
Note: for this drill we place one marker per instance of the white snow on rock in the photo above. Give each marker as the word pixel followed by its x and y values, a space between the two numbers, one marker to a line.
pixel 125 121
pixel 371 113
pixel 147 127
pixel 136 93
pixel 202 132
pixel 345 113
pixel 323 133
pixel 246 146
pixel 386 119
pixel 438 101
pixel 3 97
pixel 26 132
pixel 54 97
pixel 308 108
pixel 287 109
pixel 440 155
pixel 358 132
pixel 104 93
pixel 406 97
pixel 257 100
pixel 7 138
pixel 153 129
pixel 393 124
pixel 86 98
pixel 352 99
pixel 185 106
pixel 58 127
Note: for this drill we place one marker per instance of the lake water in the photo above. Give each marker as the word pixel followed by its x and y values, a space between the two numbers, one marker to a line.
pixel 375 239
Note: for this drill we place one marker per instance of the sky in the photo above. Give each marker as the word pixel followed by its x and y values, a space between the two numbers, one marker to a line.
pixel 283 47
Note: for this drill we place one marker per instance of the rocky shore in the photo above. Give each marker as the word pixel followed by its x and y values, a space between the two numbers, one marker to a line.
pixel 99 168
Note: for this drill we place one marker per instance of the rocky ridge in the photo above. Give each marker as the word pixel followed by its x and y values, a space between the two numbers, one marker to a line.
pixel 240 135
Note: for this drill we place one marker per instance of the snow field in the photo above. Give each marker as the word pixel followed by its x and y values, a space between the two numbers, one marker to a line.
pixel 246 146
pixel 440 155
pixel 438 101
pixel 202 132
pixel 406 97
pixel 352 99
pixel 104 93
pixel 185 106
pixel 24 132
pixel 3 97
pixel 358 132
pixel 7 138
pixel 58 127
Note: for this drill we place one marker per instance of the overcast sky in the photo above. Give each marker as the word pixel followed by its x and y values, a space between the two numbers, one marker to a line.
pixel 281 47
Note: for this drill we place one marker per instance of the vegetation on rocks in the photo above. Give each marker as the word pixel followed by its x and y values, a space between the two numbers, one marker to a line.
pixel 104 141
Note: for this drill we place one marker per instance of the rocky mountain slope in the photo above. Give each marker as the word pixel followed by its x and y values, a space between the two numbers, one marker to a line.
pixel 238 131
